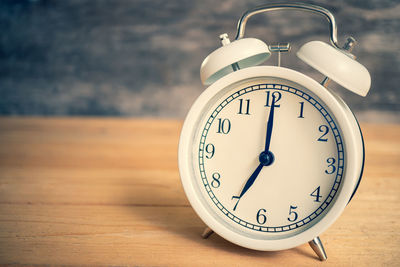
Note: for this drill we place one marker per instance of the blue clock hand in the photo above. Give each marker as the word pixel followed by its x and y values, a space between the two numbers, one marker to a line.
pixel 249 183
pixel 266 157
pixel 270 124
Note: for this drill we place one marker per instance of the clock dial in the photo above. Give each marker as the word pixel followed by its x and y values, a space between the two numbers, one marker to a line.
pixel 268 157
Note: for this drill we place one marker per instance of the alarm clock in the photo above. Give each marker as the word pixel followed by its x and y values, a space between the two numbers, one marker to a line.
pixel 269 157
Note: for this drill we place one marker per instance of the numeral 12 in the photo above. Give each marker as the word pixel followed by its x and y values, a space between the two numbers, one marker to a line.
pixel 277 95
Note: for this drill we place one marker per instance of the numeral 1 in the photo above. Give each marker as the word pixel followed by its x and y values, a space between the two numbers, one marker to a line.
pixel 246 106
pixel 301 110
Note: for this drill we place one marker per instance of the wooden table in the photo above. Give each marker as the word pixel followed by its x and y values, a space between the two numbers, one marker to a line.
pixel 107 192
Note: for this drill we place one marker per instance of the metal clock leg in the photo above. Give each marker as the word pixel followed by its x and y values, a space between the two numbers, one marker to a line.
pixel 315 244
pixel 207 232
pixel 318 248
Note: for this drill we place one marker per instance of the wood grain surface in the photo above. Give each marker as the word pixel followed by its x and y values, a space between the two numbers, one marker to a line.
pixel 107 191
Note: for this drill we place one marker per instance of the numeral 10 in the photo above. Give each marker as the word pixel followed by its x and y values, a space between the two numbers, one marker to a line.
pixel 224 126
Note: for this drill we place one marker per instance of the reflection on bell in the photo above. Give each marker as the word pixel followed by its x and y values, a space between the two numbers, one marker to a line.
pixel 232 56
pixel 337 66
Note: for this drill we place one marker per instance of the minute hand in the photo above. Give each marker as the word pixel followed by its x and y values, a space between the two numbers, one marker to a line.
pixel 270 125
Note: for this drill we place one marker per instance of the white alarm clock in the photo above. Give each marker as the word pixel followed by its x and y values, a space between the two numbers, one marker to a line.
pixel 269 157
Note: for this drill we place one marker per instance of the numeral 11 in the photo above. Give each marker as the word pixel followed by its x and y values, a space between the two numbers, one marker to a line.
pixel 245 106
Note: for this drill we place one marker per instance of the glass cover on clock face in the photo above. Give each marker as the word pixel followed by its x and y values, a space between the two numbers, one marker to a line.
pixel 268 175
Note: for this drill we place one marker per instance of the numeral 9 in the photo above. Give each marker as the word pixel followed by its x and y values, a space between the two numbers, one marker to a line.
pixel 210 149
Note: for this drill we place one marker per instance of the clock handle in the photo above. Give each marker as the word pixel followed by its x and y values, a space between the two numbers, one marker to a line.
pixel 299 6
pixel 334 61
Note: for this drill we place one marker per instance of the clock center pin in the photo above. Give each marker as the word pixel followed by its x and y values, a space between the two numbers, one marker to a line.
pixel 266 158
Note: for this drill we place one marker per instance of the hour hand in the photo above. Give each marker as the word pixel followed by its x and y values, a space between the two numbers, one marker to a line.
pixel 248 184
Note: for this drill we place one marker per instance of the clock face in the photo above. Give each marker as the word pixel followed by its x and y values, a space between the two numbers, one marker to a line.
pixel 266 175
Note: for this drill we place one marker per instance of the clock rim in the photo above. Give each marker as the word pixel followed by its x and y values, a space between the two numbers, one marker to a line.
pixel 351 136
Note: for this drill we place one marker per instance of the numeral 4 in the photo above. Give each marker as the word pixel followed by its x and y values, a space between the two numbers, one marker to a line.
pixel 316 194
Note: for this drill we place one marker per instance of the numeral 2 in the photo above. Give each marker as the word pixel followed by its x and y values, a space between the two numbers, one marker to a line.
pixel 224 126
pixel 245 106
pixel 324 130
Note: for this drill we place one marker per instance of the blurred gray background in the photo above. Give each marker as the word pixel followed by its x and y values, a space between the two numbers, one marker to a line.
pixel 142 58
